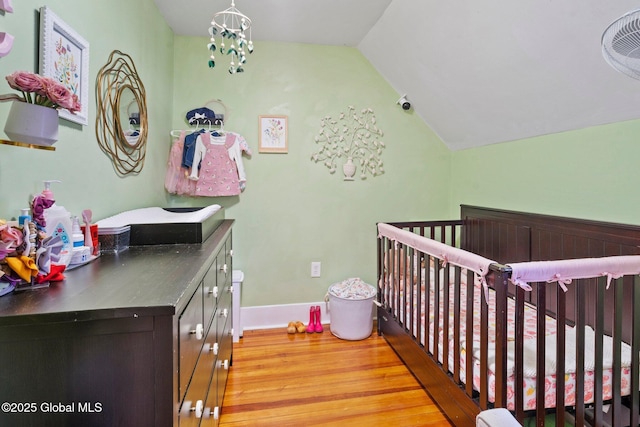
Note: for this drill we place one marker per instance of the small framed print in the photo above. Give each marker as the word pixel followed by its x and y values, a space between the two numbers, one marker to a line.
pixel 273 134
pixel 64 56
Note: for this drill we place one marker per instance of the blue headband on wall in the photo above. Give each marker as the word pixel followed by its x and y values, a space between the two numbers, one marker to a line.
pixel 200 116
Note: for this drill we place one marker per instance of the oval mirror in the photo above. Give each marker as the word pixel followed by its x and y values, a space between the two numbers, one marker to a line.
pixel 128 117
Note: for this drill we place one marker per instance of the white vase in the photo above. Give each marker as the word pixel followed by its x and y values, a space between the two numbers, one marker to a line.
pixel 349 169
pixel 32 124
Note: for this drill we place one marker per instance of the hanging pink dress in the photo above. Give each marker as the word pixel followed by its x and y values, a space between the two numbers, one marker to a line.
pixel 176 178
pixel 218 174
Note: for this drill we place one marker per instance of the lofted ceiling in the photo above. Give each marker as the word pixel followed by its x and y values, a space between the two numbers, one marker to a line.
pixel 477 73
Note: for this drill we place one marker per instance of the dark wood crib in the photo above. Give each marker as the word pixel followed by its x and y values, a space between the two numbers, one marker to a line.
pixel 431 342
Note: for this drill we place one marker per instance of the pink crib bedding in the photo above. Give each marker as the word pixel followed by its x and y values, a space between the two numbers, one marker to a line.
pixel 530 357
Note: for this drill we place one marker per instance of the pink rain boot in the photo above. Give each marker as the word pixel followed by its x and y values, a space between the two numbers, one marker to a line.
pixel 318 323
pixel 312 320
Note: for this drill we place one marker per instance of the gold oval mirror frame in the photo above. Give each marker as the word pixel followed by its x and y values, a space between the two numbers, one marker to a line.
pixel 121 117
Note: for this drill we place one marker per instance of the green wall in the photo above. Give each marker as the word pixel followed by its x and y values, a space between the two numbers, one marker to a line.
pixel 89 180
pixel 293 210
pixel 590 173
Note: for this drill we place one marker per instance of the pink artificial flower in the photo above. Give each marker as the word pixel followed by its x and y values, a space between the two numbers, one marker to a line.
pixel 59 95
pixel 25 81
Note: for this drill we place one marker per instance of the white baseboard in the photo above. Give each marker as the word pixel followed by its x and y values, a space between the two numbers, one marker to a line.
pixel 278 316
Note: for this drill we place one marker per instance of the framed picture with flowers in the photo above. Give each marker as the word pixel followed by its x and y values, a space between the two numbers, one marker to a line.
pixel 273 134
pixel 64 57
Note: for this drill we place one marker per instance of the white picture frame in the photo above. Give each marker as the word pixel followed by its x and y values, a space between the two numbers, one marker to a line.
pixel 273 134
pixel 64 56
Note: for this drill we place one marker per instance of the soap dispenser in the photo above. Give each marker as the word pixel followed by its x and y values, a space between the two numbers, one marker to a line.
pixel 58 223
pixel 47 193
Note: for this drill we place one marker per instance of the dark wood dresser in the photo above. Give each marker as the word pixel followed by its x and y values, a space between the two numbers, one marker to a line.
pixel 141 338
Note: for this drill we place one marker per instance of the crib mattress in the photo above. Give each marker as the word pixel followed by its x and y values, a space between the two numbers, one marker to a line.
pixel 529 362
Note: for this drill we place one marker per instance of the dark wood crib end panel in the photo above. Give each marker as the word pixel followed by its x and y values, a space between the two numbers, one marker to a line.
pixel 450 398
pixel 491 232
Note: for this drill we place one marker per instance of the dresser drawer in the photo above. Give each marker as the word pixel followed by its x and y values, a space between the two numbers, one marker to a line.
pixel 192 330
pixel 211 293
pixel 193 409
pixel 213 405
pixel 224 313
pixel 223 261
pixel 225 340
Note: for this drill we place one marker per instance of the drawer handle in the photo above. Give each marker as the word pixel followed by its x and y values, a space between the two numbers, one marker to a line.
pixel 216 412
pixel 225 313
pixel 231 332
pixel 214 348
pixel 198 331
pixel 214 292
pixel 224 268
pixel 198 408
pixel 225 364
pixel 230 252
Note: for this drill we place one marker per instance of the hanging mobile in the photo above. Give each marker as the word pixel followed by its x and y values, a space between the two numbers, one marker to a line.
pixel 231 24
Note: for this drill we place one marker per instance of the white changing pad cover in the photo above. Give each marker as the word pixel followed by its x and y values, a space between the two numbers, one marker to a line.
pixel 156 215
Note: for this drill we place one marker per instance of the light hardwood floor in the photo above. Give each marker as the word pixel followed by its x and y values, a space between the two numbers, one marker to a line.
pixel 280 379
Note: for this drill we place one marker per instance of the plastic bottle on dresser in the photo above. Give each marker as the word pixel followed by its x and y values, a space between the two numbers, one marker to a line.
pixel 24 216
pixel 58 223
pixel 80 253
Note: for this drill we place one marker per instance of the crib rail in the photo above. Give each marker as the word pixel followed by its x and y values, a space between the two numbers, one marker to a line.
pixel 435 309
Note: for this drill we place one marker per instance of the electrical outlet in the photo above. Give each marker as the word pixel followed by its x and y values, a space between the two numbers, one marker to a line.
pixel 315 268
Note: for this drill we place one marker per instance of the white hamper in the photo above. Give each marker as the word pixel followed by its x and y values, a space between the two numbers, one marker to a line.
pixel 351 309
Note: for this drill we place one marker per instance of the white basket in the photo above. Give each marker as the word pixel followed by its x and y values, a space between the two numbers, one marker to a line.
pixel 351 304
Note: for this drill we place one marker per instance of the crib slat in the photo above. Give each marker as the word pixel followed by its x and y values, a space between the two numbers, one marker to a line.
pixel 409 277
pixel 484 365
pixel 469 335
pixel 581 285
pixel 446 316
pixel 501 286
pixel 436 309
pixel 456 323
pixel 540 351
pixel 406 291
pixel 396 278
pixel 419 299
pixel 561 320
pixel 519 353
pixel 599 331
pixel 616 380
pixel 635 353
pixel 427 315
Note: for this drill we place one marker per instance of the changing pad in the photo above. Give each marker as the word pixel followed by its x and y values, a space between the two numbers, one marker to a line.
pixel 155 226
pixel 156 215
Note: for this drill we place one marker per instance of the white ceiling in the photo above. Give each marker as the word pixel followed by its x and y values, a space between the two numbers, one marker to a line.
pixel 477 73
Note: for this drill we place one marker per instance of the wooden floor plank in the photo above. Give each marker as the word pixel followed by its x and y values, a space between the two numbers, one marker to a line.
pixel 280 379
